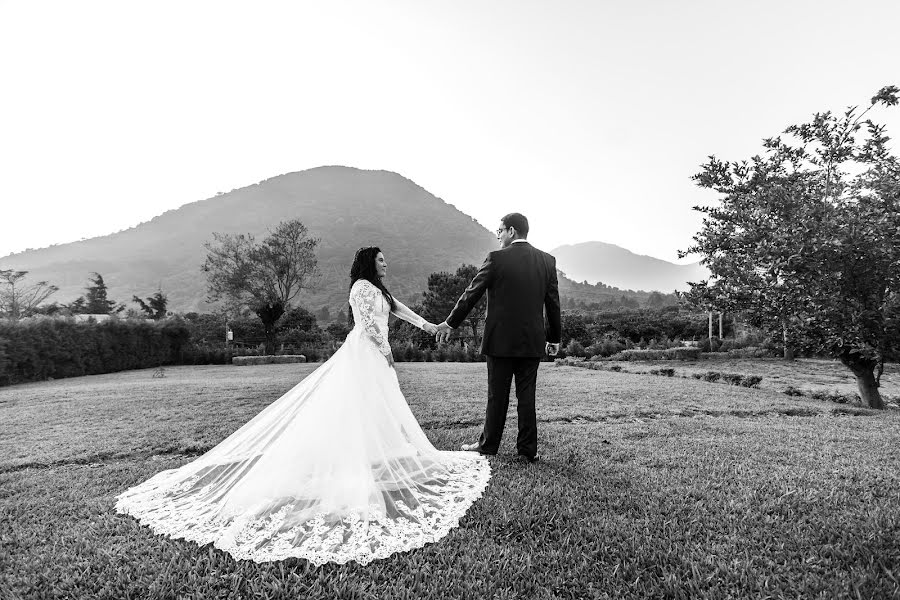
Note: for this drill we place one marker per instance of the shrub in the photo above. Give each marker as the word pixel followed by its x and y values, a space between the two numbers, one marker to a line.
pixel 751 381
pixel 574 348
pixel 666 372
pixel 47 347
pixel 669 354
pixel 605 347
pixel 730 378
pixel 206 355
pixel 835 397
pixel 793 391
pixel 711 376
pixel 751 352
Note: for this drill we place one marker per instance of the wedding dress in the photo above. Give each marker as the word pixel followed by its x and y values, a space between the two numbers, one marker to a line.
pixel 335 470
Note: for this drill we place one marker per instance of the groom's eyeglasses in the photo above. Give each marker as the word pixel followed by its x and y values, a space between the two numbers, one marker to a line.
pixel 501 230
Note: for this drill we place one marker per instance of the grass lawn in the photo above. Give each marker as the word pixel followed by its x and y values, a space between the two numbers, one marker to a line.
pixel 649 487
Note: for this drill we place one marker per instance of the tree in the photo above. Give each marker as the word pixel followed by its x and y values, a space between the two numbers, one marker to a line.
pixel 96 301
pixel 18 300
pixel 655 300
pixel 324 315
pixel 806 239
pixel 338 330
pixel 155 306
pixel 267 276
pixel 444 289
pixel 298 327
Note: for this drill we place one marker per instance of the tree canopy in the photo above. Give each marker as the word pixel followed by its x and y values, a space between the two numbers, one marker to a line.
pixel 155 306
pixel 806 239
pixel 444 289
pixel 265 276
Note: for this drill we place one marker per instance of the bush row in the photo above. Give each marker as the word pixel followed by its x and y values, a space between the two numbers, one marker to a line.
pixel 409 352
pixel 44 348
pixel 668 354
pixel 730 378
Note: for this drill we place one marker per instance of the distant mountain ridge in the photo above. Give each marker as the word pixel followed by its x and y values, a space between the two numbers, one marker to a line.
pixel 615 266
pixel 345 207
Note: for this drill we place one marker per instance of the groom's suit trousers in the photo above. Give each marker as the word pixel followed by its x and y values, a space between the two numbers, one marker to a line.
pixel 501 372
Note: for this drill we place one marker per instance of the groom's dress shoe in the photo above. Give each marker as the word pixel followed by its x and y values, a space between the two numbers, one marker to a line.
pixel 473 448
pixel 527 459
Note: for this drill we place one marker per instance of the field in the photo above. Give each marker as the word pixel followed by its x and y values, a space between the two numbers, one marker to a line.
pixel 648 487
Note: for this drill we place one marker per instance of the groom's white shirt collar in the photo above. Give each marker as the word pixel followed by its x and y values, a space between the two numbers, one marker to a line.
pixel 519 240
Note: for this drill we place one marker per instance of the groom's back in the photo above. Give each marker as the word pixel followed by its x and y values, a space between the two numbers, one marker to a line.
pixel 523 282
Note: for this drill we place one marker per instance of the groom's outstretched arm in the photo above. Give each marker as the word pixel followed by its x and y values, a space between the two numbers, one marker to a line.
pixel 472 295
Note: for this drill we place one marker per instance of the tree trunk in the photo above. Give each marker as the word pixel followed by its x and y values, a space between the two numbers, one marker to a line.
pixel 865 381
pixel 710 331
pixel 788 351
pixel 269 315
pixel 721 337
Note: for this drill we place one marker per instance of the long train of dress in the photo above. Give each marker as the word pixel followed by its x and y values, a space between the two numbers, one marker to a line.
pixel 337 469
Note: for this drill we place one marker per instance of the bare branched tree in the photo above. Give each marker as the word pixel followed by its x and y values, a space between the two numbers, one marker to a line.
pixel 19 300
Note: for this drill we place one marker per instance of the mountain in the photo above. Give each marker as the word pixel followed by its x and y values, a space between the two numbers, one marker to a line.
pixel 618 267
pixel 345 207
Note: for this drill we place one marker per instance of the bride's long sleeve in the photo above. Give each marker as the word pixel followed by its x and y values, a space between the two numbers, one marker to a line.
pixel 401 311
pixel 366 296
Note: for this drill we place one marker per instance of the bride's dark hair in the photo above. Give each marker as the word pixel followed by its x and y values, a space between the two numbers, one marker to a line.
pixel 364 268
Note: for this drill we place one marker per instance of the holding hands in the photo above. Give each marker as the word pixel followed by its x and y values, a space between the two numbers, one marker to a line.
pixel 552 349
pixel 430 328
pixel 443 332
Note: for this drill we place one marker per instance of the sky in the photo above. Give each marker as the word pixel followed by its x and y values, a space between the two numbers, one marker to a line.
pixel 589 117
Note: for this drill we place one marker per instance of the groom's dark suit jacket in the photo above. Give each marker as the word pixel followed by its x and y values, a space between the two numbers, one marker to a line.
pixel 520 282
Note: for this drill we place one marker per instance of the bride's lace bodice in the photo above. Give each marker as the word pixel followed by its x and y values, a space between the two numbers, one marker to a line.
pixel 371 311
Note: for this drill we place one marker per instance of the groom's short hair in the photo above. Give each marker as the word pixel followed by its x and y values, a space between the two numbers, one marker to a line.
pixel 518 221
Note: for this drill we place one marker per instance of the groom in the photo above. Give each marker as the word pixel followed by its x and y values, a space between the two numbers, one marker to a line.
pixel 520 282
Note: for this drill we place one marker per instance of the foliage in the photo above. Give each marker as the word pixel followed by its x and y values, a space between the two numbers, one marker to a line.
pixel 663 372
pixel 668 354
pixel 96 301
pixel 667 323
pixel 806 240
pixel 406 333
pixel 444 289
pixel 730 378
pixel 337 330
pixel 18 300
pixel 205 328
pixel 42 348
pixel 410 352
pixel 155 306
pixel 298 328
pixel 265 277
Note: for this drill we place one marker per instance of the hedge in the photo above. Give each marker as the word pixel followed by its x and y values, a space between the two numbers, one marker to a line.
pixel 52 348
pixel 668 354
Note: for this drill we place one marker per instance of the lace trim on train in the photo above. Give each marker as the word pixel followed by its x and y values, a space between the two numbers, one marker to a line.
pixel 319 540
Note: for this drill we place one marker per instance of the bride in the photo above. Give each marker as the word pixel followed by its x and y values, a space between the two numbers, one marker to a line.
pixel 335 470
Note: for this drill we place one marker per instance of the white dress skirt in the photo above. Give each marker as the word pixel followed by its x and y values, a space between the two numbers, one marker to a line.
pixel 337 469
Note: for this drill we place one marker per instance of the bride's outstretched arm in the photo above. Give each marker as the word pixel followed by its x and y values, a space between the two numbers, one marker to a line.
pixel 401 311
